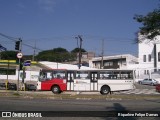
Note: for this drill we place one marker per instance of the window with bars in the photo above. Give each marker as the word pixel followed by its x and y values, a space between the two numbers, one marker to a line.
pixel 144 58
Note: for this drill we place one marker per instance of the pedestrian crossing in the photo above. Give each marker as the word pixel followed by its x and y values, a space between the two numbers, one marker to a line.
pixel 139 91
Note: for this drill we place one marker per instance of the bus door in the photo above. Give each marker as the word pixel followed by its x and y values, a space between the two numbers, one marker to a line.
pixel 70 80
pixel 94 81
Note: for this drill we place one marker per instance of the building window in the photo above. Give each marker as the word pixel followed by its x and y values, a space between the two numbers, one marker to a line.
pixel 108 64
pixel 4 71
pixel 144 58
pixel 158 56
pixel 149 58
pixel 146 72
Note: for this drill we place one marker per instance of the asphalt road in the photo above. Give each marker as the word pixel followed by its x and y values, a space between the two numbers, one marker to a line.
pixel 21 104
pixel 37 104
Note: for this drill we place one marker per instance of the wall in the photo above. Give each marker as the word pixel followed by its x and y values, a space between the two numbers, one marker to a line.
pixel 147 47
pixel 30 76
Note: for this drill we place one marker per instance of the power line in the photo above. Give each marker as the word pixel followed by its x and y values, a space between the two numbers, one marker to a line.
pixel 9 37
pixel 87 38
pixel 15 39
pixel 33 47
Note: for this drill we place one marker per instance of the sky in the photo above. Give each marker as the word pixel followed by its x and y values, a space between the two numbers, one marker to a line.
pixel 49 24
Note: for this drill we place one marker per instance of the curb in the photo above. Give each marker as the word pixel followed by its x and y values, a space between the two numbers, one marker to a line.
pixel 73 95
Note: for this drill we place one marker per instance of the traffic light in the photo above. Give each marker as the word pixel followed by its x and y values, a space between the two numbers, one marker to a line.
pixel 17 45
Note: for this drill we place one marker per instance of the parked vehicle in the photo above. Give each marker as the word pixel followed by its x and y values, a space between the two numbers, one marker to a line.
pixel 148 82
pixel 13 86
pixel 10 86
pixel 158 87
pixel 30 87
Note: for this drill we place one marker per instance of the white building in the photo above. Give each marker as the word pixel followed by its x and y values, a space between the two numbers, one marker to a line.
pixel 148 56
pixel 147 65
pixel 124 61
pixel 31 74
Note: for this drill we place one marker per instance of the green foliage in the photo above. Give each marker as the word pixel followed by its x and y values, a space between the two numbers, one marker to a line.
pixel 56 55
pixel 27 57
pixel 53 55
pixel 76 50
pixel 59 50
pixel 151 24
pixel 8 55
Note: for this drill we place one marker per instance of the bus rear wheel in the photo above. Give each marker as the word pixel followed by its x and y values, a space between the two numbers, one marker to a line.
pixel 56 89
pixel 105 90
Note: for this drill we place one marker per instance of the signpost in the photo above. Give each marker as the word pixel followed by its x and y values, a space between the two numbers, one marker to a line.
pixel 19 56
pixel 27 63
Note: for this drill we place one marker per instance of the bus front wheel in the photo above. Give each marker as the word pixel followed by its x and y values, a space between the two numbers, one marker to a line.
pixel 105 90
pixel 56 89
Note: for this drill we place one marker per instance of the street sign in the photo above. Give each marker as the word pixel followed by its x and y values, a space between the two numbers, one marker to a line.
pixel 19 55
pixel 27 63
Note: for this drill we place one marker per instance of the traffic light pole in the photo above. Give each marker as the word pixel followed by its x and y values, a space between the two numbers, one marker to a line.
pixel 18 46
pixel 19 61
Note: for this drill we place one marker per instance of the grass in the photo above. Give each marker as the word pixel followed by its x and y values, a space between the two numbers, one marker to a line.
pixel 16 94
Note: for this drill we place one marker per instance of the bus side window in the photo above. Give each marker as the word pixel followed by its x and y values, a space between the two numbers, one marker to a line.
pixel 49 76
pixel 110 76
pixel 58 76
pixel 87 77
pixel 79 76
pixel 102 76
pixel 44 76
pixel 41 77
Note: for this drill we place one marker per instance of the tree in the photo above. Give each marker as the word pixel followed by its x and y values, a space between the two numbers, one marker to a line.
pixel 59 50
pixel 55 55
pixel 151 24
pixel 76 50
pixel 8 55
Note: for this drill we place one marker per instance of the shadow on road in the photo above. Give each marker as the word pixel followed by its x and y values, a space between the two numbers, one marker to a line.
pixel 119 110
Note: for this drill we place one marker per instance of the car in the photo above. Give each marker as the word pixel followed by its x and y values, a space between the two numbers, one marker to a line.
pixel 12 86
pixel 30 87
pixel 148 82
pixel 158 87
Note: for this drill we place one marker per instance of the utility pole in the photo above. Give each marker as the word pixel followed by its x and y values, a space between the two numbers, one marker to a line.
pixel 155 57
pixel 102 54
pixel 80 52
pixel 34 52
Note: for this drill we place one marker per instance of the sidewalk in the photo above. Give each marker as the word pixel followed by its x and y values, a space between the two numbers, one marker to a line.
pixel 79 93
pixel 73 95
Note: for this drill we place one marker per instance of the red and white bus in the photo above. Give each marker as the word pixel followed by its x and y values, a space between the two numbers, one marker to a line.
pixel 104 81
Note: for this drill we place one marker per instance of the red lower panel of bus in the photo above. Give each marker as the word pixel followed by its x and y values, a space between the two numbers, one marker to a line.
pixel 47 85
